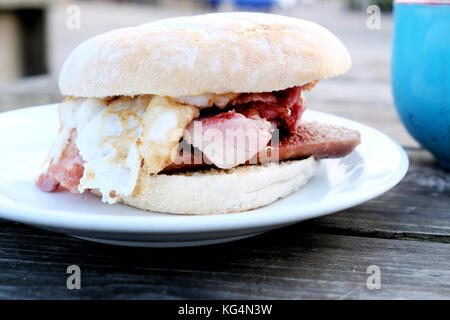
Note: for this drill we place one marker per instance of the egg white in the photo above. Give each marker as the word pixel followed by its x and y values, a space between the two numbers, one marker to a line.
pixel 116 138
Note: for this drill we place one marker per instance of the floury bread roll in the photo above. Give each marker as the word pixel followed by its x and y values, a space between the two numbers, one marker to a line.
pixel 196 115
pixel 213 53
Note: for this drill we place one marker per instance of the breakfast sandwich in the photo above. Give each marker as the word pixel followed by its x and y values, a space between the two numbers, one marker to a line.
pixel 196 115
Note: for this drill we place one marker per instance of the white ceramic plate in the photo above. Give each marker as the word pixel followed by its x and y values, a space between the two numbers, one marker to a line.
pixel 26 135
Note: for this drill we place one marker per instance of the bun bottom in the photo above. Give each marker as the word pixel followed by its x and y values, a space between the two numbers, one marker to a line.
pixel 220 191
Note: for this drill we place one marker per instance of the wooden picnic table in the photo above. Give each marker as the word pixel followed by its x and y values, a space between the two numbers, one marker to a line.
pixel 406 231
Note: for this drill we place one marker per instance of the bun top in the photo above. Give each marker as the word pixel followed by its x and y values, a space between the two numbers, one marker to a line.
pixel 212 53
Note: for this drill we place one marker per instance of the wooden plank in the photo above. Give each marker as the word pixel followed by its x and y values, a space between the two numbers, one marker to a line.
pixel 287 263
pixel 418 208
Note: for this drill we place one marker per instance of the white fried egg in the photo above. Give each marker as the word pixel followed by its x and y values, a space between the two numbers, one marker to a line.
pixel 208 100
pixel 163 126
pixel 117 137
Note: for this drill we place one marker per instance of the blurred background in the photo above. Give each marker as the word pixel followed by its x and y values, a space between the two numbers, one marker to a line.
pixel 36 36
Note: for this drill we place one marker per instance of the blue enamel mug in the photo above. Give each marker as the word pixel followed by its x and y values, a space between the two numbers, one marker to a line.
pixel 421 73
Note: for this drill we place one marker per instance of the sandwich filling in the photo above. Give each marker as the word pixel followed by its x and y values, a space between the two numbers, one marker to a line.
pixel 106 144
